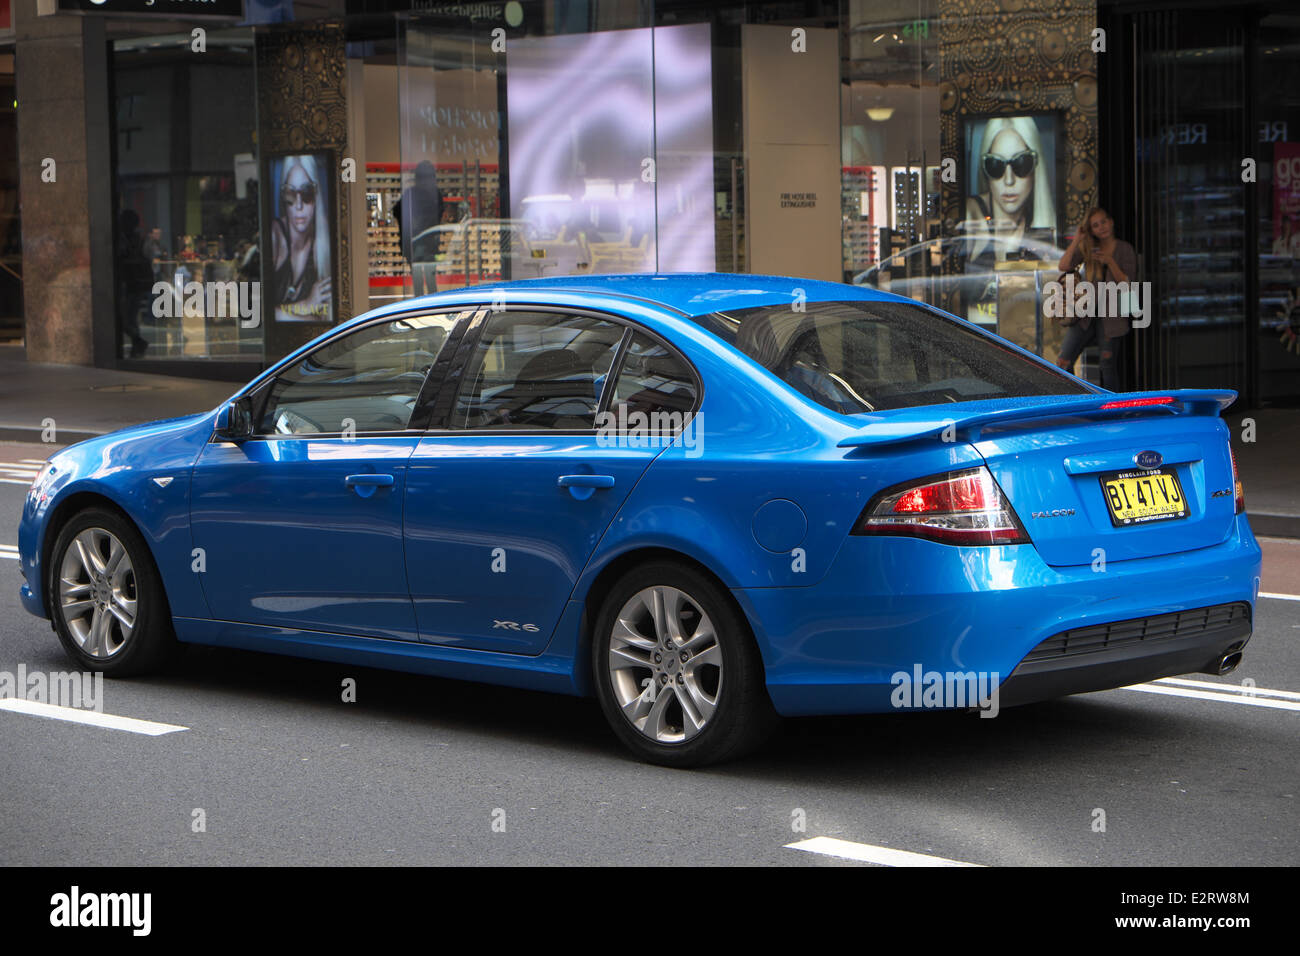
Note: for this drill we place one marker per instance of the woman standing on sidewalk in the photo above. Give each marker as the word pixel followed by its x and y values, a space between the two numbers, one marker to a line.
pixel 1104 258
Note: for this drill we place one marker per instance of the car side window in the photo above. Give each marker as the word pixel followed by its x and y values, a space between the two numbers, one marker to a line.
pixel 653 379
pixel 537 370
pixel 367 381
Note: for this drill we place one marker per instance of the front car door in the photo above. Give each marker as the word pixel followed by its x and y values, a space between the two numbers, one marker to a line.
pixel 300 526
pixel 508 499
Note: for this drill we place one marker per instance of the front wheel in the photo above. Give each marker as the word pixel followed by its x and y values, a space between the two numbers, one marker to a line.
pixel 676 670
pixel 106 597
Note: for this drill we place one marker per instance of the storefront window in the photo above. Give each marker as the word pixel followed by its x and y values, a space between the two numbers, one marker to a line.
pixel 969 155
pixel 499 150
pixel 186 245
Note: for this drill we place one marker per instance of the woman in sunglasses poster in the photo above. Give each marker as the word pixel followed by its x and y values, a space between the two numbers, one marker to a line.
pixel 302 264
pixel 1012 161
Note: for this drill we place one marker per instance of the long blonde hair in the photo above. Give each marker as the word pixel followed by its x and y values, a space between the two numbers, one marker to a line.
pixel 1093 271
pixel 1042 214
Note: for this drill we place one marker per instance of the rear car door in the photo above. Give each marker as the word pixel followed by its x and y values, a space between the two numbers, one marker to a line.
pixel 300 525
pixel 507 500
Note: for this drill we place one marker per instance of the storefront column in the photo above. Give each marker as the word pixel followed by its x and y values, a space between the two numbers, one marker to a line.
pixel 65 186
pixel 302 90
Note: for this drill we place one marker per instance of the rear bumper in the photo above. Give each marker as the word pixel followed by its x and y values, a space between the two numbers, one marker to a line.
pixel 891 606
pixel 1128 652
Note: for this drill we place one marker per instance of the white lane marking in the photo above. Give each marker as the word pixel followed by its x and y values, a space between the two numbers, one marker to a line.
pixel 1230 688
pixel 1279 597
pixel 866 853
pixel 25 482
pixel 77 716
pixel 1222 698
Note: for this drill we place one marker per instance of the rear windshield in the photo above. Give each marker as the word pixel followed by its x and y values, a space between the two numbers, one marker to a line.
pixel 869 356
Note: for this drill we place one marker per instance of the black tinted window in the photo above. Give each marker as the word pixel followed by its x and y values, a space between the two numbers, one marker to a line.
pixel 868 356
pixel 366 381
pixel 653 379
pixel 537 370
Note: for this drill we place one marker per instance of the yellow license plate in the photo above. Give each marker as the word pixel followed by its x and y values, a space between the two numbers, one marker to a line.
pixel 1137 497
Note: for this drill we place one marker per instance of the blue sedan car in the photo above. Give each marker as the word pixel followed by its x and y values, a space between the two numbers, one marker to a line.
pixel 707 500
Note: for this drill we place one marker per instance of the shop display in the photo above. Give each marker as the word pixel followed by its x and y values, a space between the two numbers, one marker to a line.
pixel 857 202
pixel 470 193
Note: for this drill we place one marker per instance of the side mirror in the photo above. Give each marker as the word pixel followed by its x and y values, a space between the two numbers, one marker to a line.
pixel 235 420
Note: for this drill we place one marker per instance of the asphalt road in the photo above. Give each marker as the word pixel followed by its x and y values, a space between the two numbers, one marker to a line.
pixel 418 770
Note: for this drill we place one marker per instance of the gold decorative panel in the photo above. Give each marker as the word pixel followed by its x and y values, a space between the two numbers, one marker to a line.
pixel 1015 57
pixel 302 106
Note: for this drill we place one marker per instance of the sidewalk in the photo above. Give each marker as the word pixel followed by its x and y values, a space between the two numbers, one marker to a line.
pixel 90 401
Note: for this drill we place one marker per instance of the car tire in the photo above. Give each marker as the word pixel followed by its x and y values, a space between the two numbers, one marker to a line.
pixel 106 598
pixel 676 669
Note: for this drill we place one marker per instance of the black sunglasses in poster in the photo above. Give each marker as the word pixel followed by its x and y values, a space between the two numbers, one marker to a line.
pixel 289 194
pixel 1022 164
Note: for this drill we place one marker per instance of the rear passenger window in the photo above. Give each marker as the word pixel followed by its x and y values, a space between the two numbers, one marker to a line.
pixel 537 370
pixel 653 379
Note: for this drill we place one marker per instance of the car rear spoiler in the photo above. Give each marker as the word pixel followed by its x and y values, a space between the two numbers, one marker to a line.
pixel 934 421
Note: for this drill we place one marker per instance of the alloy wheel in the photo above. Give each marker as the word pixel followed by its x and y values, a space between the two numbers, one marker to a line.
pixel 665 665
pixel 97 593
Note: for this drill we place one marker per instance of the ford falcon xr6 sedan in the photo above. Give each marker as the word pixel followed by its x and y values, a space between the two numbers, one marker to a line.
pixel 707 500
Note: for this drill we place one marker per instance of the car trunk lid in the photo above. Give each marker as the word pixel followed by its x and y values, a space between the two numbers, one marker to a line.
pixel 1053 457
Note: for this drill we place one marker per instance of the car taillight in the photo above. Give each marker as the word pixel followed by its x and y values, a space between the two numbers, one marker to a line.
pixel 1138 402
pixel 960 507
pixel 1238 490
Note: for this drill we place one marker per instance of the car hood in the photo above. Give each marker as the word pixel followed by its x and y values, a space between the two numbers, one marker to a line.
pixel 167 444
pixel 163 426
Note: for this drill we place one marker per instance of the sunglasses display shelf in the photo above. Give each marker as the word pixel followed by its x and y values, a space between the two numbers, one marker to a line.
pixel 860 233
pixel 387 268
pixel 467 190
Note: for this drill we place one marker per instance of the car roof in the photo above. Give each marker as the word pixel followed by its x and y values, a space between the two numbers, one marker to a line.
pixel 687 293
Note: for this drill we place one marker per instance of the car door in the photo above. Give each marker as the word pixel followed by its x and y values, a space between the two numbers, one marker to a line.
pixel 300 525
pixel 507 500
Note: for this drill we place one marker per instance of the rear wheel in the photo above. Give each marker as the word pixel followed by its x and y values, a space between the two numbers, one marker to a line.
pixel 676 670
pixel 106 597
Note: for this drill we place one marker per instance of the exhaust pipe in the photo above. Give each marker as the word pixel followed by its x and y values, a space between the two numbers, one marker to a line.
pixel 1225 664
pixel 1229 663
